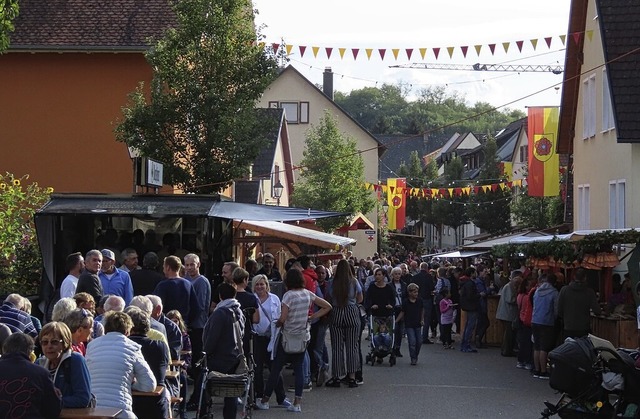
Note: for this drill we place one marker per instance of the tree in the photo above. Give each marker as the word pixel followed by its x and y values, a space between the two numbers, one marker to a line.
pixel 452 211
pixel 332 174
pixel 490 210
pixel 9 10
pixel 537 212
pixel 20 261
pixel 200 119
pixel 379 110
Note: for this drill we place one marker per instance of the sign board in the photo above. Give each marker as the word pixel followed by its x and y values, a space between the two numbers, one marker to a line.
pixel 148 172
pixel 370 234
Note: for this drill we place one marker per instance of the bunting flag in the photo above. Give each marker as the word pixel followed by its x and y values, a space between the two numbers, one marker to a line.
pixel 396 201
pixel 544 162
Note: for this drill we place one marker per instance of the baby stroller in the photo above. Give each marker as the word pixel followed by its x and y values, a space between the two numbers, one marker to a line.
pixel 382 339
pixel 596 380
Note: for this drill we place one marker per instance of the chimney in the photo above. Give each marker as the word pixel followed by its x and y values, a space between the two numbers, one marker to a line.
pixel 327 82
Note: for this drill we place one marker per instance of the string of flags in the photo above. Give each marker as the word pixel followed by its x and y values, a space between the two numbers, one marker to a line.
pixel 423 52
pixel 435 193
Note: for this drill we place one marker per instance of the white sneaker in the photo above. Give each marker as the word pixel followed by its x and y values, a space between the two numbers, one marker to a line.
pixel 262 406
pixel 294 408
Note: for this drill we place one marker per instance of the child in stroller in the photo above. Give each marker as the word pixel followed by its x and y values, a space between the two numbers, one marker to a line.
pixel 597 381
pixel 382 340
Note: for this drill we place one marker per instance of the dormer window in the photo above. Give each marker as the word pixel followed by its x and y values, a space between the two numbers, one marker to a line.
pixel 294 112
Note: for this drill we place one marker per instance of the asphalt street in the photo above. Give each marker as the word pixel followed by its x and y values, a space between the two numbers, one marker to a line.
pixel 444 384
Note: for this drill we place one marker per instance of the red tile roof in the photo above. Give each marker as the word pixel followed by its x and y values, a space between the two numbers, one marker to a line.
pixel 90 24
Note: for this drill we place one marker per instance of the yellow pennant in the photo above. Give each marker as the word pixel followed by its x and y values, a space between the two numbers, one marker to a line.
pixel 590 35
pixel 395 52
pixel 368 51
pixel 563 38
pixel 423 52
pixel 341 51
pixel 505 45
pixel 478 48
pixel 534 43
pixel 315 51
pixel 450 51
pixel 288 48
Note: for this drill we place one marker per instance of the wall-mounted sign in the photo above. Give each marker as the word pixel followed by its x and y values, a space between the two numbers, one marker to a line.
pixel 148 172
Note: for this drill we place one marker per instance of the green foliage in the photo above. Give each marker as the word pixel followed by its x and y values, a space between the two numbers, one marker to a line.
pixel 200 120
pixel 537 212
pixel 9 10
pixel 20 260
pixel 490 211
pixel 453 211
pixel 332 174
pixel 386 110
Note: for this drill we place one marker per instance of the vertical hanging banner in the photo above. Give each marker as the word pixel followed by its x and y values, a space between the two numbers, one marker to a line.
pixel 544 163
pixel 397 204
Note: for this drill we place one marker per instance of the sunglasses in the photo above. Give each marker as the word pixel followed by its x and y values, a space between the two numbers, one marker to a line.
pixel 52 342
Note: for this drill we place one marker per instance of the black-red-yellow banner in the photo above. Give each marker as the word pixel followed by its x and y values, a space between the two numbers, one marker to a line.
pixel 544 163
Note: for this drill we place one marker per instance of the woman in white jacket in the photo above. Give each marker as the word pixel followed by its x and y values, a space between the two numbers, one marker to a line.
pixel 115 362
pixel 265 336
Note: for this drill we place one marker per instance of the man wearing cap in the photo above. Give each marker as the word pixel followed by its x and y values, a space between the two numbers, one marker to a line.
pixel 115 281
pixel 89 281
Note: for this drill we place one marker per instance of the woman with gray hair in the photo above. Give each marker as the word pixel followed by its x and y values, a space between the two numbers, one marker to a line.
pixel 63 307
pixel 80 323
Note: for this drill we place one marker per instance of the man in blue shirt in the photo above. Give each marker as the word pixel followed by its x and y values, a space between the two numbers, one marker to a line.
pixel 114 281
pixel 202 288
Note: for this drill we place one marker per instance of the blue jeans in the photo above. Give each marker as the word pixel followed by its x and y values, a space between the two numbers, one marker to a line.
pixel 428 308
pixel 306 367
pixel 469 326
pixel 414 338
pixel 320 353
pixel 276 368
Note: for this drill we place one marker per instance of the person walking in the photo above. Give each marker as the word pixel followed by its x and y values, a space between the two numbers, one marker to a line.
pixel 470 304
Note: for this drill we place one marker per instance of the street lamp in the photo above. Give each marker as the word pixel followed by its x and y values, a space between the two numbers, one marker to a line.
pixel 385 206
pixel 277 192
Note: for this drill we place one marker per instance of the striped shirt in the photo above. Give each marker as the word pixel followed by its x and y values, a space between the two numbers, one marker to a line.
pixel 298 302
pixel 18 321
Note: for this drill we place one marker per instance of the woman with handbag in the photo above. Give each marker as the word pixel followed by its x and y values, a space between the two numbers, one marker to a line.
pixel 265 336
pixel 292 340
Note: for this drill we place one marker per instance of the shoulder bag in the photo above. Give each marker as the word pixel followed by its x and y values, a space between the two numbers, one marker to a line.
pixel 295 342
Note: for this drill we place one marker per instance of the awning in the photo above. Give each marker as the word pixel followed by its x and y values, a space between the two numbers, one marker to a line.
pixel 488 244
pixel 573 236
pixel 159 206
pixel 294 233
pixel 456 254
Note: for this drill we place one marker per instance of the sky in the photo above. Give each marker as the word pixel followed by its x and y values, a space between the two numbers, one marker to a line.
pixel 430 24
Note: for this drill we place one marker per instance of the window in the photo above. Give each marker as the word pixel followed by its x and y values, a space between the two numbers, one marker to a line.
pixel 524 153
pixel 607 107
pixel 616 204
pixel 589 107
pixel 295 112
pixel 584 215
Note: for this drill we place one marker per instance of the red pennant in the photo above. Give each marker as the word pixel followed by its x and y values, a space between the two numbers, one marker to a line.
pixel 436 52
pixel 355 52
pixel 329 51
pixel 464 51
pixel 548 41
pixel 519 44
pixel 382 51
pixel 442 192
pixel 302 50
pixel 476 190
pixel 494 187
pixel 576 37
pixel 509 184
pixel 492 48
pixel 457 191
pixel 409 51
pixel 275 47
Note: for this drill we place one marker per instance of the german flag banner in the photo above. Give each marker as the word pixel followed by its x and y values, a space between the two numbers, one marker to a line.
pixel 397 204
pixel 544 163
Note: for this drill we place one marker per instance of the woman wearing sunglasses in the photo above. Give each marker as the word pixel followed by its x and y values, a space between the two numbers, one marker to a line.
pixel 67 368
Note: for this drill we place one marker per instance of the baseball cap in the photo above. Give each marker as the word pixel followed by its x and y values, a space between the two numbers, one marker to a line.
pixel 106 253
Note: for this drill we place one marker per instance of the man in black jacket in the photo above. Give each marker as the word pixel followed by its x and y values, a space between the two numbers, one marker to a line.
pixel 27 391
pixel 470 304
pixel 89 281
pixel 427 286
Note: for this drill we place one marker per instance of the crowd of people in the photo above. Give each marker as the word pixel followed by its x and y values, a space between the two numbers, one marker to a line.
pixel 116 330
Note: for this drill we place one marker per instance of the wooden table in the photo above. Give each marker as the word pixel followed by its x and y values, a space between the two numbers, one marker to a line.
pixel 90 412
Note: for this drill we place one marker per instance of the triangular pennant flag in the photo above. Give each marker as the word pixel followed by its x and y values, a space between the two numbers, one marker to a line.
pixel 505 45
pixel 434 192
pixel 450 191
pixel 563 39
pixel 341 51
pixel 476 189
pixel 392 189
pixel 355 52
pixel 467 190
pixel 302 49
pixel 534 43
pixel 275 47
pixel 548 41
pixel 576 37
pixel 423 51
pixel 376 188
pixel 436 52
pixel 315 51
pixel 517 182
pixel 395 52
pixel 492 48
pixel 510 184
pixel 384 188
pixel 262 45
pixel 329 50
pixel 450 51
pixel 502 186
pixel 368 51
pixel 382 51
pixel 478 48
pixel 519 44
pixel 442 192
pixel 486 188
pixel 288 48
pixel 590 35
pixel 464 51
pixel 408 51
pixel 494 187
pixel 458 191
